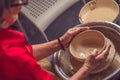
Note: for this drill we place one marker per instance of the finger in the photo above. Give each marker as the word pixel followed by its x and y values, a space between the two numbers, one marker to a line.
pixel 107 48
pixel 79 28
pixel 83 28
pixel 104 47
pixel 93 54
pixel 76 30
pixel 104 53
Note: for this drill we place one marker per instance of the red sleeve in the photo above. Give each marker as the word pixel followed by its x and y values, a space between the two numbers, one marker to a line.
pixel 38 72
pixel 16 59
pixel 17 64
pixel 29 49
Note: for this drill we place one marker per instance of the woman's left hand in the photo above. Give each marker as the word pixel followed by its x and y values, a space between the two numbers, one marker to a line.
pixel 68 36
pixel 96 59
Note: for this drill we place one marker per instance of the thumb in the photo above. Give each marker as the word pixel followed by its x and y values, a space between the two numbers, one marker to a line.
pixel 93 54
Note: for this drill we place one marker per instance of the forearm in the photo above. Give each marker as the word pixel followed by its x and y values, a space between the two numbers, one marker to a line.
pixel 81 74
pixel 41 51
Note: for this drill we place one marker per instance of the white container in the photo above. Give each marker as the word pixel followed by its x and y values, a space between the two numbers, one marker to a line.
pixel 105 10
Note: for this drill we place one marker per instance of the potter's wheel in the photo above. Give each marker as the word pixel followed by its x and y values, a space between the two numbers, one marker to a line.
pixel 61 59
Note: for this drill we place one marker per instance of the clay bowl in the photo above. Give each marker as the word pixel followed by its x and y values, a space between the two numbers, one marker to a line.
pixel 85 42
pixel 103 10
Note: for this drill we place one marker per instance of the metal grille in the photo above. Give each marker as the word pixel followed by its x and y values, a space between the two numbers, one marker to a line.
pixel 43 12
pixel 38 7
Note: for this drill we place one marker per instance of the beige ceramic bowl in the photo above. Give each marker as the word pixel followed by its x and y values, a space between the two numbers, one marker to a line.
pixel 103 10
pixel 85 42
pixel 77 64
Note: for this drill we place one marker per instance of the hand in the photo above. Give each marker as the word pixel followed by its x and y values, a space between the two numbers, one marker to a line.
pixel 68 36
pixel 95 60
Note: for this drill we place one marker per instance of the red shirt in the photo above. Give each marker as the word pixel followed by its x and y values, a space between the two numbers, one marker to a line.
pixel 16 58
